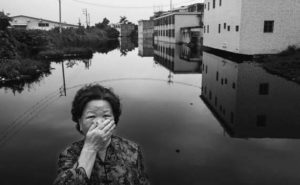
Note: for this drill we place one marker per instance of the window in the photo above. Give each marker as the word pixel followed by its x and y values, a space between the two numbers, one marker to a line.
pixel 261 120
pixel 222 81
pixel 217 76
pixel 214 3
pixel 205 69
pixel 208 6
pixel 236 28
pixel 268 26
pixel 263 89
pixel 43 24
pixel 225 25
pixel 228 28
pixel 204 6
pixel 233 85
pixel 219 28
pixel 204 28
pixel 210 95
pixel 225 81
pixel 220 2
pixel 207 28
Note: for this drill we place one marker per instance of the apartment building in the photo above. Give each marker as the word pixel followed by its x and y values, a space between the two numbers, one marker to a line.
pixel 251 26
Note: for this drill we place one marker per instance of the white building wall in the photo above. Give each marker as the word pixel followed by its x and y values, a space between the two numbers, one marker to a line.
pixel 230 13
pixel 286 16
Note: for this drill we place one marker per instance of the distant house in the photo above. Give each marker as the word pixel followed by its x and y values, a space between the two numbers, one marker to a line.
pixel 125 29
pixel 251 26
pixel 30 23
pixel 168 26
pixel 145 29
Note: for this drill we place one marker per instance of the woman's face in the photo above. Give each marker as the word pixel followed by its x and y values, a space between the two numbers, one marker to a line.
pixel 95 110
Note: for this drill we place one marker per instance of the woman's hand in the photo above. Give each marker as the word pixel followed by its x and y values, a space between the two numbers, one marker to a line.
pixel 98 136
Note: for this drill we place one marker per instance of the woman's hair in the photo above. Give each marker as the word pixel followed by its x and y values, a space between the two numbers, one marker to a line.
pixel 94 92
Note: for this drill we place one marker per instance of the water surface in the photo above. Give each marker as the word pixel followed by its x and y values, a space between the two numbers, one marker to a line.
pixel 185 137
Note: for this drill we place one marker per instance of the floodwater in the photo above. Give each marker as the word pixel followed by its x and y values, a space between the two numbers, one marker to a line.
pixel 199 118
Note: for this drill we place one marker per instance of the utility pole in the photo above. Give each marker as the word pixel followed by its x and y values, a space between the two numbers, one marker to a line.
pixel 86 16
pixel 59 16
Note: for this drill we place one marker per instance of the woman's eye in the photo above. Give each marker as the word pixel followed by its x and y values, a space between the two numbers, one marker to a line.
pixel 90 117
pixel 107 116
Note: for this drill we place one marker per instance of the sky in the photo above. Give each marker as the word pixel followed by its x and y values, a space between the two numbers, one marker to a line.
pixel 72 10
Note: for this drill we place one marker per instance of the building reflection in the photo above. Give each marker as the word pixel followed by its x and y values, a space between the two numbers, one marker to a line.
pixel 248 101
pixel 126 45
pixel 178 58
pixel 146 47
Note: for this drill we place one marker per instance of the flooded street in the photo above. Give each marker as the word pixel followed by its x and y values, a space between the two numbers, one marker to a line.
pixel 199 118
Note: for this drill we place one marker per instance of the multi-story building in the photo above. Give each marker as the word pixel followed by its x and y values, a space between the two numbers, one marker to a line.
pixel 248 101
pixel 251 26
pixel 145 29
pixel 26 22
pixel 168 26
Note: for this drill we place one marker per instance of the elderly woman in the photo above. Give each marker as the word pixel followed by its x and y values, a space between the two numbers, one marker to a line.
pixel 100 158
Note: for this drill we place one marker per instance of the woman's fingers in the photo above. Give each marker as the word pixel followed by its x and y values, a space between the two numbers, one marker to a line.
pixel 93 126
pixel 109 127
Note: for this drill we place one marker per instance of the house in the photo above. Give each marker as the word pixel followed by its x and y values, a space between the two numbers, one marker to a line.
pixel 168 26
pixel 251 27
pixel 145 29
pixel 125 29
pixel 29 23
pixel 248 101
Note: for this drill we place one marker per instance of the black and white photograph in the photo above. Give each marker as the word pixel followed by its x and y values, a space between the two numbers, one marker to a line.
pixel 149 92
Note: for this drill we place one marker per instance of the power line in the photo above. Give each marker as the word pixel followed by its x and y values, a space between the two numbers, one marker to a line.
pixel 131 7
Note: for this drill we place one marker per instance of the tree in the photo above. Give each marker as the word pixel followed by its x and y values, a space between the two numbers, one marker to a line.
pixel 4 21
pixel 103 24
pixel 123 20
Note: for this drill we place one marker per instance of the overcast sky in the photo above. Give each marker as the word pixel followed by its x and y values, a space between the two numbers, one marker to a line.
pixel 72 10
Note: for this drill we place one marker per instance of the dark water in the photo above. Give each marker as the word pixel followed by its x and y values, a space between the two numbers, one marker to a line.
pixel 169 96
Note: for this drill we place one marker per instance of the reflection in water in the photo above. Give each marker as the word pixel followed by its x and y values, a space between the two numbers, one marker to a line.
pixel 126 45
pixel 248 101
pixel 178 58
pixel 146 47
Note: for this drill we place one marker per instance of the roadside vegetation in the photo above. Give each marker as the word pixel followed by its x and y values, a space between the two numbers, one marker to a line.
pixel 26 54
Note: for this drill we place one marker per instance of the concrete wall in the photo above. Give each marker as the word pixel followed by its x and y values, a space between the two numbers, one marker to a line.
pixel 286 16
pixel 126 29
pixel 229 13
pixel 145 29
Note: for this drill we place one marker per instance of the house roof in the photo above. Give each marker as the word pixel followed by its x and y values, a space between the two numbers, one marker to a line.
pixel 66 24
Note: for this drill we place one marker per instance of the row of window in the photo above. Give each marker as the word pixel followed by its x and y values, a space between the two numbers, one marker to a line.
pixel 226 27
pixel 41 24
pixel 261 119
pixel 164 62
pixel 167 50
pixel 213 4
pixel 268 27
pixel 222 109
pixel 167 33
pixel 165 21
